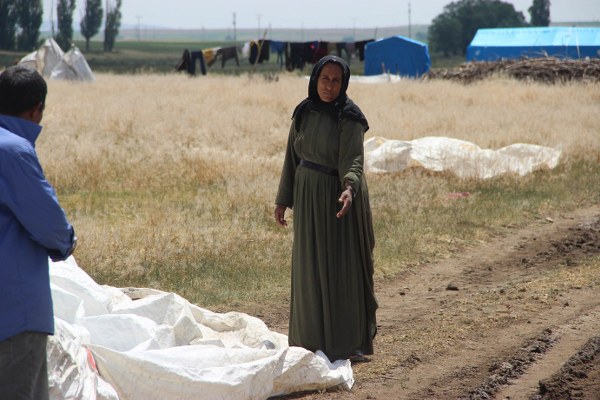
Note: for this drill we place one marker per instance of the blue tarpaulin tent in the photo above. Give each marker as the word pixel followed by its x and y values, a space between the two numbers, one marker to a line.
pixel 397 55
pixel 515 43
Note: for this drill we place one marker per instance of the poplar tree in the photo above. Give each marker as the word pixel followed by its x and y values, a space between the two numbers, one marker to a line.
pixel 540 13
pixel 64 13
pixel 112 25
pixel 8 26
pixel 91 21
pixel 29 20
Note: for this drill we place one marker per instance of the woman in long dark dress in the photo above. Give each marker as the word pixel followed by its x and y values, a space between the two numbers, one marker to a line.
pixel 332 296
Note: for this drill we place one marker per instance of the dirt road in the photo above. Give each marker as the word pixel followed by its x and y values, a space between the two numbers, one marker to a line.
pixel 517 317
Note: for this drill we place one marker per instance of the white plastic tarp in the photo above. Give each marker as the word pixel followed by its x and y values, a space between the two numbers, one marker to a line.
pixel 381 78
pixel 45 58
pixel 73 66
pixel 160 346
pixel 50 61
pixel 462 158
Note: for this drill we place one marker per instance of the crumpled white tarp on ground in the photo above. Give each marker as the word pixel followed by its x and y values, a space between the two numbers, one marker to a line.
pixel 160 346
pixel 462 158
pixel 381 78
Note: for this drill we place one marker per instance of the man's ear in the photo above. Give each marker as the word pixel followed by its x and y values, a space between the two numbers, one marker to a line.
pixel 34 114
pixel 40 107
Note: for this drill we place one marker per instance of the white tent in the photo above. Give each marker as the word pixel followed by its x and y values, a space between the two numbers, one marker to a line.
pixel 45 58
pixel 73 66
pixel 50 61
pixel 108 346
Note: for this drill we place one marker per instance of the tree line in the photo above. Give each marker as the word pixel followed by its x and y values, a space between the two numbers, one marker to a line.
pixel 20 22
pixel 451 32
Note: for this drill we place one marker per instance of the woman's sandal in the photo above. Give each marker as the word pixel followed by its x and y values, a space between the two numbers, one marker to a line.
pixel 358 357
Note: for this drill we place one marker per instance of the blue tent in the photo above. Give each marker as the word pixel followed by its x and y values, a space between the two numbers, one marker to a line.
pixel 515 43
pixel 397 55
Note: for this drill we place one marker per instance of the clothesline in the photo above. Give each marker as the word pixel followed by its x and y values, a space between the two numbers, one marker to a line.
pixel 292 55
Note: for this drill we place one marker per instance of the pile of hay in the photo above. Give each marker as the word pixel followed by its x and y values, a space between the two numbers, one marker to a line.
pixel 549 70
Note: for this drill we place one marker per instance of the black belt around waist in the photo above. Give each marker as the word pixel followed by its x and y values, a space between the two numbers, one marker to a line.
pixel 320 168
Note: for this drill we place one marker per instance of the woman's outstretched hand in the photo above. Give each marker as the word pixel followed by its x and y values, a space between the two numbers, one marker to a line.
pixel 346 200
pixel 280 214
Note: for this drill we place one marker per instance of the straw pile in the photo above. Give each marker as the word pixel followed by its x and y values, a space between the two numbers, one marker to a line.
pixel 549 70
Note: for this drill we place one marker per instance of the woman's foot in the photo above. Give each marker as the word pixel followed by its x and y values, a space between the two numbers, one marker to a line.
pixel 358 357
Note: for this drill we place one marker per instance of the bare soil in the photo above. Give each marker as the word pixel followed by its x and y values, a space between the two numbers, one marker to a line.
pixel 501 319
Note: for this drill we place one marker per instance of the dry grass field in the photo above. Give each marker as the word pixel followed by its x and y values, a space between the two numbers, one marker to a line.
pixel 170 180
pixel 170 183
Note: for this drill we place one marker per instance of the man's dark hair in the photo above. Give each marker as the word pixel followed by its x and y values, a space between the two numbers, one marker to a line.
pixel 21 89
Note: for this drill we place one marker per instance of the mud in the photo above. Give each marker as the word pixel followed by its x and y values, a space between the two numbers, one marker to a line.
pixel 493 336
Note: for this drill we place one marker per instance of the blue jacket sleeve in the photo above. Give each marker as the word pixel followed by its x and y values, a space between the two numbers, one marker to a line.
pixel 33 202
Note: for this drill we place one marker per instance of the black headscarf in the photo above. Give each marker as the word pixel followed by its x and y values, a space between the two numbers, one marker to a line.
pixel 341 108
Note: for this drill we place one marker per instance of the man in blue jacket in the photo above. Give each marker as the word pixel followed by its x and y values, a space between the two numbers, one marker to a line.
pixel 33 228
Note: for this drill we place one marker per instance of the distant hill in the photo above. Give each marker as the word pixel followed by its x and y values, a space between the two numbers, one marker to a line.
pixel 145 33
pixel 154 34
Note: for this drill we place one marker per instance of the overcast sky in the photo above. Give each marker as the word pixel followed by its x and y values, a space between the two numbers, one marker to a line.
pixel 208 14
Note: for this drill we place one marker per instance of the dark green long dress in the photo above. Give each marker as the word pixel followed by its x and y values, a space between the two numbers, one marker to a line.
pixel 332 296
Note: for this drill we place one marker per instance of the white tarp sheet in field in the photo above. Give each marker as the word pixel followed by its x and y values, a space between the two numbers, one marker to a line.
pixel 50 61
pixel 462 158
pixel 381 78
pixel 159 346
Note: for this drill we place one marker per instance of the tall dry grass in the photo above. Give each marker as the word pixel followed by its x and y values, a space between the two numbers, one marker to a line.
pixel 170 180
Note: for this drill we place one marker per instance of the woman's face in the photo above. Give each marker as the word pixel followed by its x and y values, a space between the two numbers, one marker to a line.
pixel 329 82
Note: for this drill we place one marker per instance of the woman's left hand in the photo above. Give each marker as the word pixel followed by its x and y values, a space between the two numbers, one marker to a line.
pixel 346 200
